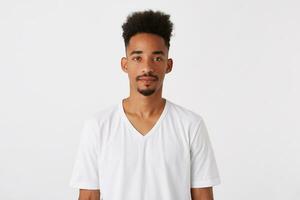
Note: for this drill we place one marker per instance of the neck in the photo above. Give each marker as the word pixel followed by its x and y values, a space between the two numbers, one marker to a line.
pixel 143 106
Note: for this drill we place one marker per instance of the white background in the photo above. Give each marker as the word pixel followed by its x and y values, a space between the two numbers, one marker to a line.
pixel 236 63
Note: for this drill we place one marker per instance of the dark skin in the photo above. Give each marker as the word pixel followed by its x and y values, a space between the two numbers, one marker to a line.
pixel 146 64
pixel 89 194
pixel 202 193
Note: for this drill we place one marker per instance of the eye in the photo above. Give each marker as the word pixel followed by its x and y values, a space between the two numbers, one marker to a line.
pixel 158 59
pixel 136 58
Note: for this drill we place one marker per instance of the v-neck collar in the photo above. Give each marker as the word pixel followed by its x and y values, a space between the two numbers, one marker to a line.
pixel 134 130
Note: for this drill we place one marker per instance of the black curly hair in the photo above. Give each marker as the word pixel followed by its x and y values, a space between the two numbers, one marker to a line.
pixel 148 21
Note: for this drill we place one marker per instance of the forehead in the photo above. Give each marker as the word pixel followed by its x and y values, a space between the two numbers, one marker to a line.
pixel 146 42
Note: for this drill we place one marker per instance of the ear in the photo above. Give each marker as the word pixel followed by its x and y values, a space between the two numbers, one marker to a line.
pixel 169 65
pixel 124 64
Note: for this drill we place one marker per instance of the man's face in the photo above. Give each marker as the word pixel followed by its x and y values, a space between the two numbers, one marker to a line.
pixel 146 63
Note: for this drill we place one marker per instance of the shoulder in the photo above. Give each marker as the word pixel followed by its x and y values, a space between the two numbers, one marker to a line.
pixel 191 120
pixel 186 114
pixel 104 115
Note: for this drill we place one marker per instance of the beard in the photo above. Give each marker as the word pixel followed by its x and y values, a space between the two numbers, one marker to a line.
pixel 146 92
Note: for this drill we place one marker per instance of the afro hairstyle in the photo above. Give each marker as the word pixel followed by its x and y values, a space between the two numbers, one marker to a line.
pixel 148 21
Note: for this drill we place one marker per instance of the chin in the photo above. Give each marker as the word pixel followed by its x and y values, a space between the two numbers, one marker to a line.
pixel 146 92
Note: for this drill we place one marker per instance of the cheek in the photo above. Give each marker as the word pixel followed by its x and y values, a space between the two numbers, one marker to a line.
pixel 131 70
pixel 162 70
pixel 132 76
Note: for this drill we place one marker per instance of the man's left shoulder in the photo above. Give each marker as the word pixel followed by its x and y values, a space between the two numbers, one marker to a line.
pixel 186 113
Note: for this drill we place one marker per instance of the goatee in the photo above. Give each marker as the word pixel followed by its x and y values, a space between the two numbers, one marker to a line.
pixel 146 92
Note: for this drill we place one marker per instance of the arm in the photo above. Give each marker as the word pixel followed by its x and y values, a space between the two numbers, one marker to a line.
pixel 204 171
pixel 202 193
pixel 89 194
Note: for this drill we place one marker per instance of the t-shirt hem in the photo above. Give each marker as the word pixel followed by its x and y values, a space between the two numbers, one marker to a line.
pixel 206 183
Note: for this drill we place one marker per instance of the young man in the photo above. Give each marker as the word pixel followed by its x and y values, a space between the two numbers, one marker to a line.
pixel 145 147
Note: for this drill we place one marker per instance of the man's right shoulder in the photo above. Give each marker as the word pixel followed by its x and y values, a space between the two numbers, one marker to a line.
pixel 105 114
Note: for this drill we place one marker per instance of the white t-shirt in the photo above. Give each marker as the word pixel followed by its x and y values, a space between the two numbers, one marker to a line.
pixel 174 156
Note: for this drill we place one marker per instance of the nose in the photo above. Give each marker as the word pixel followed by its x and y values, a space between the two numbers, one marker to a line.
pixel 147 66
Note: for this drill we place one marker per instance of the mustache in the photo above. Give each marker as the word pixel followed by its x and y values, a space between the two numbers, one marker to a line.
pixel 145 75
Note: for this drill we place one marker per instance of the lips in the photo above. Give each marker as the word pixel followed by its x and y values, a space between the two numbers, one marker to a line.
pixel 147 78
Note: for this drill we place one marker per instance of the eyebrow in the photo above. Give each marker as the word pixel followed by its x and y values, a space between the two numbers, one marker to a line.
pixel 136 52
pixel 154 52
pixel 158 52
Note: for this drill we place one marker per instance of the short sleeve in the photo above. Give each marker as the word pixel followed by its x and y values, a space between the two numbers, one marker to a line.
pixel 204 171
pixel 85 171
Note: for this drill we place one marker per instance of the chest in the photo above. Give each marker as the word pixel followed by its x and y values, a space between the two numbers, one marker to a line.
pixel 143 126
pixel 145 163
pixel 164 148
